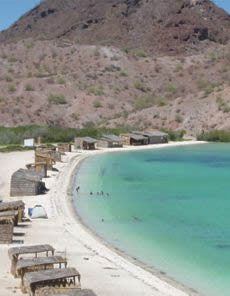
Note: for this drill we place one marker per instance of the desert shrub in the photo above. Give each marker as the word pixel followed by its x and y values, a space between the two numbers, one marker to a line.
pixel 123 74
pixel 140 85
pixel 179 118
pixel 97 104
pixel 222 105
pixel 161 101
pixel 143 102
pixel 58 99
pixel 8 78
pixel 11 88
pixel 171 89
pixel 140 53
pixel 174 135
pixel 12 148
pixel 55 134
pixel 29 87
pixel 95 90
pixel 215 136
pixel 61 80
pixel 12 60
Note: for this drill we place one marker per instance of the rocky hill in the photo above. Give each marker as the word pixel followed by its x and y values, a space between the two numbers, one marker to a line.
pixel 165 26
pixel 86 76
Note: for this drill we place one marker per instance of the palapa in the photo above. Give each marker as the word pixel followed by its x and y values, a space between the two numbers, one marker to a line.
pixel 51 278
pixel 6 230
pixel 39 262
pixel 14 206
pixel 15 252
pixel 13 215
pixel 71 292
pixel 26 182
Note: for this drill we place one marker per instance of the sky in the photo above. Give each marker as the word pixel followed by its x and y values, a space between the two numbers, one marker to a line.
pixel 11 10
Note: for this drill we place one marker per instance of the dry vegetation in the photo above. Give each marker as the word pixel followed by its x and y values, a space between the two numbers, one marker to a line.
pixel 46 82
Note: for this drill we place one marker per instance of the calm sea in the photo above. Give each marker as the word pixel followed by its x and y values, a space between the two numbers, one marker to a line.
pixel 169 208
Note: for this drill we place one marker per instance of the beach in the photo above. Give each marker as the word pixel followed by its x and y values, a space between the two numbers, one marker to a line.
pixel 102 269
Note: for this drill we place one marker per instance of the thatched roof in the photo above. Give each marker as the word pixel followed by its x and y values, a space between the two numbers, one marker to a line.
pixel 13 205
pixel 10 214
pixel 77 292
pixel 152 134
pixel 111 138
pixel 89 140
pixel 27 175
pixel 49 275
pixel 134 136
pixel 25 263
pixel 29 250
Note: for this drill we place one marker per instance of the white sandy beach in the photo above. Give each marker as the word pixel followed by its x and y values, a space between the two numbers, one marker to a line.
pixel 101 268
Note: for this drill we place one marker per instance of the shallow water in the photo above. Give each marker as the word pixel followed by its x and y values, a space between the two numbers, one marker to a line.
pixel 168 207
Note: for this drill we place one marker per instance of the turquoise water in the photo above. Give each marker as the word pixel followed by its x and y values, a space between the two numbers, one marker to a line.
pixel 169 208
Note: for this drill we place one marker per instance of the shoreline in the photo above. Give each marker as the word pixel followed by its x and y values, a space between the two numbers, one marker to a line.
pixel 161 275
pixel 103 269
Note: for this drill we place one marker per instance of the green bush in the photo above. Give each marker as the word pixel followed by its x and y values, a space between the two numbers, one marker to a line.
pixel 53 134
pixel 97 104
pixel 11 88
pixel 174 135
pixel 143 102
pixel 215 136
pixel 56 99
pixel 12 148
pixel 29 87
pixel 222 105
pixel 140 85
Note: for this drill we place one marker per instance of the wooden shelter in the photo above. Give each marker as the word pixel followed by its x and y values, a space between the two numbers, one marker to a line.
pixel 70 292
pixel 38 167
pixel 44 158
pixel 64 147
pixel 59 279
pixel 16 252
pixel 37 264
pixel 26 182
pixel 12 215
pixel 155 137
pixel 6 230
pixel 18 206
pixel 86 143
pixel 109 141
pixel 133 139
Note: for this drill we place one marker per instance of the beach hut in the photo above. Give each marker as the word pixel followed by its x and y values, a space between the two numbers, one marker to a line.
pixel 12 215
pixel 6 230
pixel 39 167
pixel 86 143
pixel 64 147
pixel 58 279
pixel 70 292
pixel 16 252
pixel 154 137
pixel 37 264
pixel 133 139
pixel 109 141
pixel 26 182
pixel 17 206
pixel 45 158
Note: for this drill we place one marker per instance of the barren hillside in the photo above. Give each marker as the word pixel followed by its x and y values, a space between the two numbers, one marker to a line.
pixel 165 26
pixel 75 85
pixel 115 67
